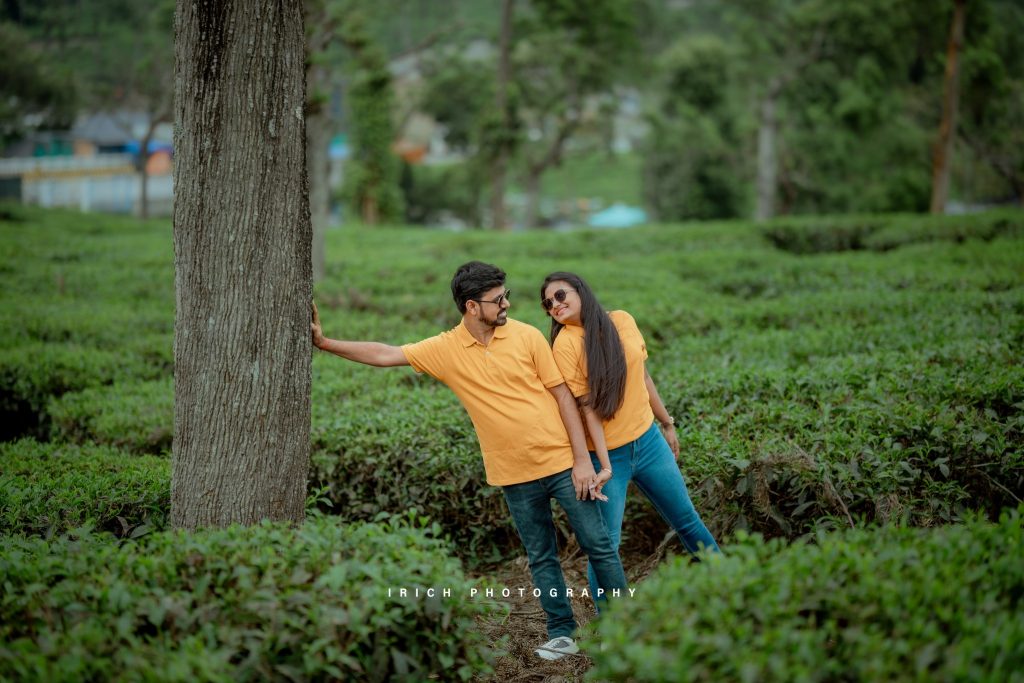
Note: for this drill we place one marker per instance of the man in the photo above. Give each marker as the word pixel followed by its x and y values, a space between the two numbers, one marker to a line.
pixel 529 428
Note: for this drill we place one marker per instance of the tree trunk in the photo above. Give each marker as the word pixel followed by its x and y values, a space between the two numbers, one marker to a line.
pixel 242 265
pixel 947 129
pixel 767 156
pixel 499 168
pixel 532 199
pixel 143 173
pixel 144 188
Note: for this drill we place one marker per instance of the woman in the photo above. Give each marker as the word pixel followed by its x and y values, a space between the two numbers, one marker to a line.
pixel 601 357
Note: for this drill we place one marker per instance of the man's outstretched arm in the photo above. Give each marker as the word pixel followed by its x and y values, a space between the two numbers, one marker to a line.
pixel 369 353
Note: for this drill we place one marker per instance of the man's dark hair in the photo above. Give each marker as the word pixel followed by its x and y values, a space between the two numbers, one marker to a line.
pixel 472 279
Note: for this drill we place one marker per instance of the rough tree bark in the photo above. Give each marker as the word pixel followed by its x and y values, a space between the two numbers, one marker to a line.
pixel 951 98
pixel 242 264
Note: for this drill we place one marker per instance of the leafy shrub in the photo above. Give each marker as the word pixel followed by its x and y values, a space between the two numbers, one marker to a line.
pixel 434 192
pixel 883 604
pixel 134 416
pixel 409 445
pixel 881 384
pixel 239 604
pixel 30 375
pixel 50 488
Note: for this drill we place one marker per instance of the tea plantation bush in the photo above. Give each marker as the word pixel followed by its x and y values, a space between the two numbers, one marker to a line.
pixel 135 416
pixel 880 233
pixel 885 605
pixel 239 604
pixel 48 488
pixel 857 381
pixel 407 444
pixel 30 375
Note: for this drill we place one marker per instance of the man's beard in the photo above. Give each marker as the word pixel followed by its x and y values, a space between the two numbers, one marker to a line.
pixel 497 321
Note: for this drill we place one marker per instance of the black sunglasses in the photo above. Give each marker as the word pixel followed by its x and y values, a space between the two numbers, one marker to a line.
pixel 500 300
pixel 559 297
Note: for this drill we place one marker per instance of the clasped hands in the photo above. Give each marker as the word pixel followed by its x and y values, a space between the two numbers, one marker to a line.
pixel 589 483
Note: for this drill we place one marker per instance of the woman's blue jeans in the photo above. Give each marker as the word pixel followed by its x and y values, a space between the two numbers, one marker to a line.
pixel 530 505
pixel 649 462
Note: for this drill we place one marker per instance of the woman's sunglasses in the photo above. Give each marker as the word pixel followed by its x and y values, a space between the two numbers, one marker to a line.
pixel 559 297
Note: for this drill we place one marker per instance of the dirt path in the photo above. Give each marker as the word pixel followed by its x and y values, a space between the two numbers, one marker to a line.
pixel 523 629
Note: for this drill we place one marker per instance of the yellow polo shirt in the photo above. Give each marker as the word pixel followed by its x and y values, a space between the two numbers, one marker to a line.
pixel 504 388
pixel 635 415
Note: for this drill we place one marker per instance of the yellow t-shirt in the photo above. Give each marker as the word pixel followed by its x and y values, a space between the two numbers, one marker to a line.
pixel 635 415
pixel 504 388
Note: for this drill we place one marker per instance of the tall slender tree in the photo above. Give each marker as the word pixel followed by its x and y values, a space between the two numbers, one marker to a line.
pixel 942 157
pixel 502 135
pixel 242 265
pixel 321 24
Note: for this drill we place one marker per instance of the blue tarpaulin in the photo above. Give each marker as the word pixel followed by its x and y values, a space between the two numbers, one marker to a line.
pixel 618 216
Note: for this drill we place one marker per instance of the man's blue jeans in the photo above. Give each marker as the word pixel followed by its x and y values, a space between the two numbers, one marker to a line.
pixel 530 505
pixel 649 462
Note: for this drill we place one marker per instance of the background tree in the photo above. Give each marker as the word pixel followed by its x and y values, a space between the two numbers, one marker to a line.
pixel 694 161
pixel 992 102
pixel 120 55
pixel 500 128
pixel 242 265
pixel 37 94
pixel 148 84
pixel 567 56
pixel 371 177
pixel 943 154
pixel 457 93
pixel 321 19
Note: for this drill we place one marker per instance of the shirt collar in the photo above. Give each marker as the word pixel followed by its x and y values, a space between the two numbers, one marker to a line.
pixel 468 339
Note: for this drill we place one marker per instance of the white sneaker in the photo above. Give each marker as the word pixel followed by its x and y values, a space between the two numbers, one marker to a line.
pixel 556 648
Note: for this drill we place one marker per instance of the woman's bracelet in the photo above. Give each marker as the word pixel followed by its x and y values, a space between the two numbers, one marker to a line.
pixel 671 422
pixel 607 469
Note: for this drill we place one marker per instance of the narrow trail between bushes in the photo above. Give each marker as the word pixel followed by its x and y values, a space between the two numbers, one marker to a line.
pixel 522 629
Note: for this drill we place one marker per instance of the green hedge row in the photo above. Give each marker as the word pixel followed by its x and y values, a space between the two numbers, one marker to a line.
pixel 239 604
pixel 882 233
pixel 33 374
pixel 908 437
pixel 886 604
pixel 48 488
pixel 137 416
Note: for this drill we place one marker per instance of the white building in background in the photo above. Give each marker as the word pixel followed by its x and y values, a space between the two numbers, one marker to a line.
pixel 92 167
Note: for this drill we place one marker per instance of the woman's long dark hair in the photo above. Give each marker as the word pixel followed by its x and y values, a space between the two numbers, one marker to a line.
pixel 606 361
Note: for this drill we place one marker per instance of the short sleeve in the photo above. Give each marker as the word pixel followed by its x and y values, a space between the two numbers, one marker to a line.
pixel 627 326
pixel 429 356
pixel 547 370
pixel 568 353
